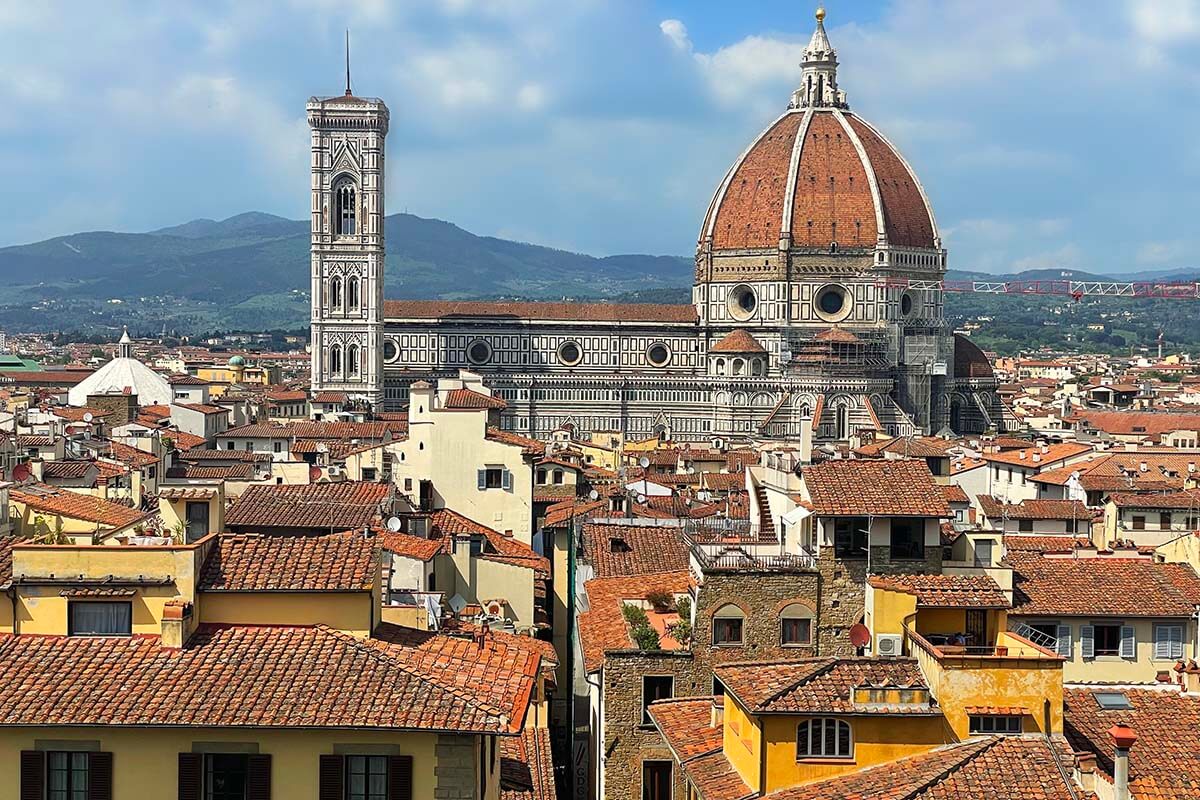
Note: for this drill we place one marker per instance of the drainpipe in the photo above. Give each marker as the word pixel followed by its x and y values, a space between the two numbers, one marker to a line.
pixel 1124 738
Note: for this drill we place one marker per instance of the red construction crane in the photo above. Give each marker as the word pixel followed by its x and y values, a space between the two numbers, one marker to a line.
pixel 1178 290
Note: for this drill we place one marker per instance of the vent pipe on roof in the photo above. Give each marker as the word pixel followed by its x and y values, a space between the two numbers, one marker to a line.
pixel 1124 738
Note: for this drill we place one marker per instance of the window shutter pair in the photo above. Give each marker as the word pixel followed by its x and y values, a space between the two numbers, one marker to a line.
pixel 1168 642
pixel 191 776
pixel 33 775
pixel 508 481
pixel 1128 642
pixel 1064 642
pixel 1087 641
pixel 331 785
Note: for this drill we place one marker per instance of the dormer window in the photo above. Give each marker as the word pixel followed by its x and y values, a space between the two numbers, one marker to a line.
pixel 344 215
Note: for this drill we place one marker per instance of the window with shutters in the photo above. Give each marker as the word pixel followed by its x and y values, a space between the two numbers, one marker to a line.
pixel 66 776
pixel 824 738
pixel 366 777
pixel 494 478
pixel 226 776
pixel 1168 642
pixel 1110 639
pixel 849 537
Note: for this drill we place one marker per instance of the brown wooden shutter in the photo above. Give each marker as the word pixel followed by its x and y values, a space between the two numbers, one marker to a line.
pixel 332 779
pixel 191 771
pixel 100 776
pixel 400 778
pixel 258 777
pixel 33 775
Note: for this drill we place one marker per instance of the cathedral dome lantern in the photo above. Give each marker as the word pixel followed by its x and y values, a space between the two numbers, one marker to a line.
pixel 820 184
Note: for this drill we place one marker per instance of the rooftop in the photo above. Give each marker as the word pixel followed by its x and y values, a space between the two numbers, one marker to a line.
pixel 580 312
pixel 946 591
pixel 892 487
pixel 266 676
pixel 339 562
pixel 74 505
pixel 824 685
pixel 350 505
pixel 1102 586
pixel 616 550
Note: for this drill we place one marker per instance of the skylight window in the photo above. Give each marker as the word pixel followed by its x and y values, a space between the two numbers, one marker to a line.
pixel 1113 701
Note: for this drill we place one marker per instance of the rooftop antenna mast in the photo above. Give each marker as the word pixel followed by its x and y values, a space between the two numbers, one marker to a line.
pixel 348 93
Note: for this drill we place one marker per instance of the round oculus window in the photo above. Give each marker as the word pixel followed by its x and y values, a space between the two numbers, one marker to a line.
pixel 479 352
pixel 390 351
pixel 743 302
pixel 569 353
pixel 832 303
pixel 658 354
pixel 906 303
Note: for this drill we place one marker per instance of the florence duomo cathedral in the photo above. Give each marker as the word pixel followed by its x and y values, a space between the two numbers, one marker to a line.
pixel 817 302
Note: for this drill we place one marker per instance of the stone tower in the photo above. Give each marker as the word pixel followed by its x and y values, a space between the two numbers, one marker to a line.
pixel 348 134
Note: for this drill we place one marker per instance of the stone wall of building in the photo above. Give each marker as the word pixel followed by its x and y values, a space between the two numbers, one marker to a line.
pixel 627 742
pixel 455 774
pixel 761 595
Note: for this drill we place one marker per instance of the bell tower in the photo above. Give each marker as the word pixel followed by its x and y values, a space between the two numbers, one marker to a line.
pixel 348 134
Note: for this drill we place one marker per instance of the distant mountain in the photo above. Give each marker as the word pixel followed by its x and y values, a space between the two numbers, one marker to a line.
pixel 252 254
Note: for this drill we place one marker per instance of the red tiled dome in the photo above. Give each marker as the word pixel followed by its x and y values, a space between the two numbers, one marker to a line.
pixel 847 184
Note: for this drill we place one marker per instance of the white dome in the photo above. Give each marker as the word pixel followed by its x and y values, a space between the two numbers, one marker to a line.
pixel 121 375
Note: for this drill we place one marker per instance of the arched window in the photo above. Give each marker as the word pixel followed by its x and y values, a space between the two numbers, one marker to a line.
pixel 739 366
pixel 335 360
pixel 824 737
pixel 727 625
pixel 756 367
pixel 352 292
pixel 335 293
pixel 795 625
pixel 352 360
pixel 843 422
pixel 720 366
pixel 344 213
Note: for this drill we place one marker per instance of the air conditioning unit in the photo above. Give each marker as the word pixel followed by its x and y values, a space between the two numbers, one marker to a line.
pixel 889 645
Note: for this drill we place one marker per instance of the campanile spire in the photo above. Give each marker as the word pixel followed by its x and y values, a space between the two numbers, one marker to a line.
pixel 818 72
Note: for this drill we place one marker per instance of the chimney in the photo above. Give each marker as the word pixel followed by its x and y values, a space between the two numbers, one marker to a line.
pixel 806 440
pixel 1124 738
pixel 717 716
pixel 178 622
pixel 1085 771
pixel 1021 455
pixel 1143 466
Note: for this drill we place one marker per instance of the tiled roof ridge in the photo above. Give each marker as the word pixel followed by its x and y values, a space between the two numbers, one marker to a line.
pixel 832 661
pixel 380 651
pixel 971 754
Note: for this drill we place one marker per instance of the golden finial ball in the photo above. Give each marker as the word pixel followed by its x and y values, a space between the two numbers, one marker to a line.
pixel 820 13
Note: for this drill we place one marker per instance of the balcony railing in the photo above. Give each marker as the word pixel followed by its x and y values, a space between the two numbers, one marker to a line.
pixel 718 530
pixel 734 559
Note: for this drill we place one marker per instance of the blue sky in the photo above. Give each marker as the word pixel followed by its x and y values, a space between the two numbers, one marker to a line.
pixel 1048 134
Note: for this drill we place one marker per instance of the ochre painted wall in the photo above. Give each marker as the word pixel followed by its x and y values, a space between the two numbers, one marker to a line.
pixel 876 740
pixel 350 612
pixel 742 741
pixel 145 760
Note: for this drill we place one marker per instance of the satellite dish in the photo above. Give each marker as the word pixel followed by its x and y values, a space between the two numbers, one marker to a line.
pixel 641 498
pixel 859 635
pixel 593 495
pixel 394 524
pixel 87 416
pixel 643 462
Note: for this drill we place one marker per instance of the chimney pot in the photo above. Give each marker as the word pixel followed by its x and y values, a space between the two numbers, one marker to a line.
pixel 1124 736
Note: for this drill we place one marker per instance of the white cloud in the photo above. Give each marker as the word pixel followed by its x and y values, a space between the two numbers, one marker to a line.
pixel 676 32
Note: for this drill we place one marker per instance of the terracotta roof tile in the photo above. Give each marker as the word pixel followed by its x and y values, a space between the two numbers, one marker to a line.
pixel 1104 586
pixel 889 487
pixel 339 562
pixel 616 550
pixel 954 494
pixel 447 524
pixel 130 455
pixel 1165 762
pixel 946 591
pixel 1066 510
pixel 1189 500
pixel 530 447
pixel 51 500
pixel 568 510
pixel 738 341
pixel 409 546
pixel 66 470
pixel 696 745
pixel 821 685
pixel 1033 457
pixel 526 767
pixel 350 505
pixel 1017 543
pixel 1127 423
pixel 265 677
pixel 995 768
pixel 602 627
pixel 468 399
